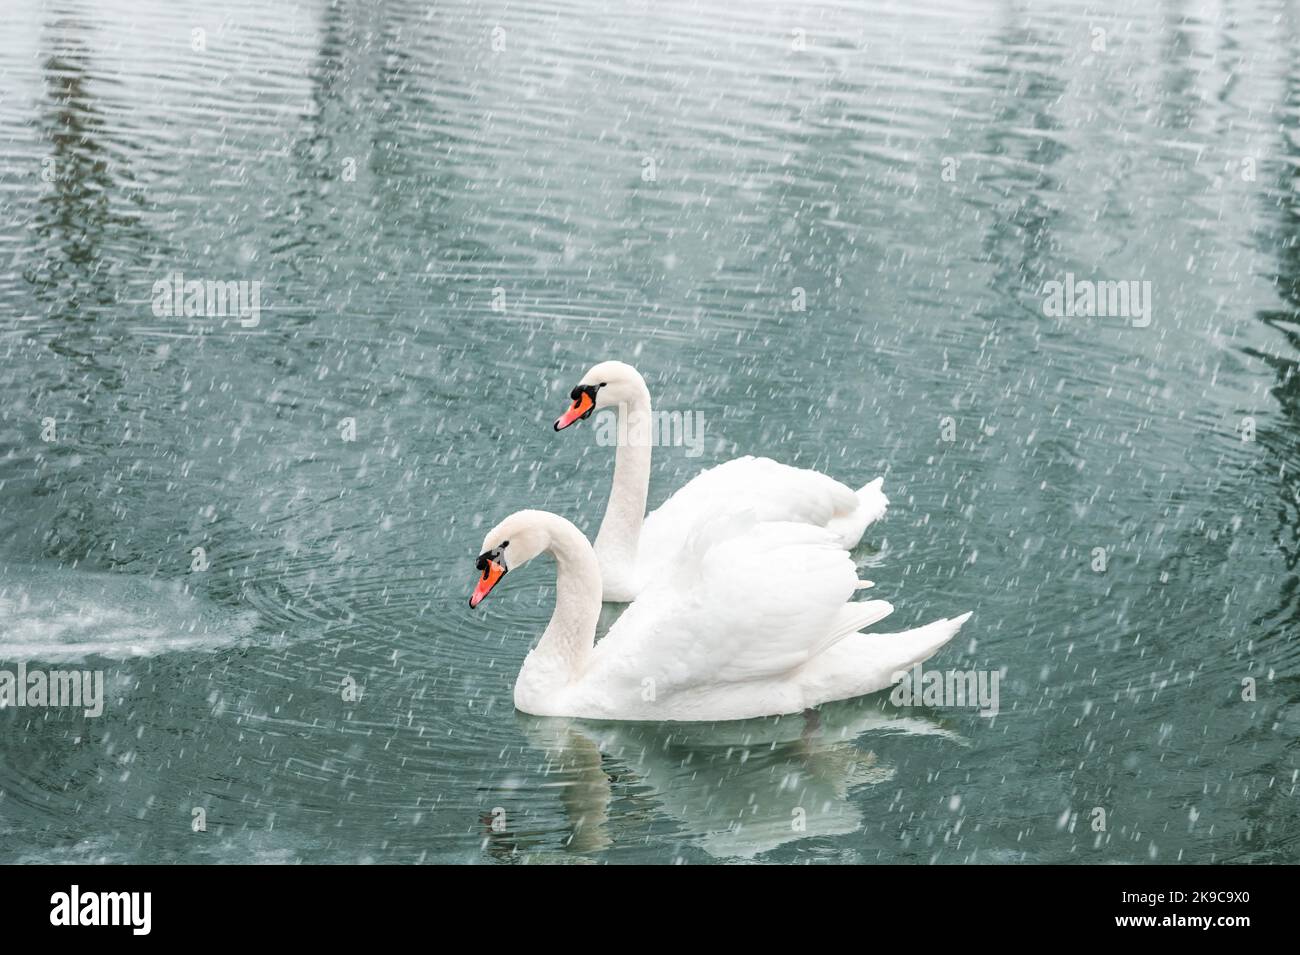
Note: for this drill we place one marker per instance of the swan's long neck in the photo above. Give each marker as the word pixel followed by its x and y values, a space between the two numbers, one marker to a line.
pixel 620 531
pixel 566 645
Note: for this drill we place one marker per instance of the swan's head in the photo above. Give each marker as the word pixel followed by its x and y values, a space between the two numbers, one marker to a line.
pixel 609 384
pixel 512 543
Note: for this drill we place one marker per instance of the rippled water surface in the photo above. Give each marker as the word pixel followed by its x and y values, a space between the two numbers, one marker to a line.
pixel 454 209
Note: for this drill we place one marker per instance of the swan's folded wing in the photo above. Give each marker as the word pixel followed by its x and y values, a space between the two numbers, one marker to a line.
pixel 772 491
pixel 746 601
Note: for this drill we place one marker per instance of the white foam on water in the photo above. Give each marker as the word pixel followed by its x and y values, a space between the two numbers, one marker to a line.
pixel 58 614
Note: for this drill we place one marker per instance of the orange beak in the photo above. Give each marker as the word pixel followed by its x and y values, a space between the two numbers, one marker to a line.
pixel 491 575
pixel 581 406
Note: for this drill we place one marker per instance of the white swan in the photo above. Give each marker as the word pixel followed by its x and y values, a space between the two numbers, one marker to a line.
pixel 754 621
pixel 634 549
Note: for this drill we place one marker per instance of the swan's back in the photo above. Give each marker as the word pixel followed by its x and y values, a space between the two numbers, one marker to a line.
pixel 746 601
pixel 761 486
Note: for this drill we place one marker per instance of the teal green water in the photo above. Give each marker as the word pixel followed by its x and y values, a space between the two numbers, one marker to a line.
pixel 453 210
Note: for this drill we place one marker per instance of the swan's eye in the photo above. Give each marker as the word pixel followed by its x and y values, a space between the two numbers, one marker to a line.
pixel 602 384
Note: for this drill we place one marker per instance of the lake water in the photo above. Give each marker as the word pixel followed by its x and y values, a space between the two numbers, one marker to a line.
pixel 826 230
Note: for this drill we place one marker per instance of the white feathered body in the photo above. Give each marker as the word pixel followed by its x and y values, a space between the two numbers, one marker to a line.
pixel 760 486
pixel 753 619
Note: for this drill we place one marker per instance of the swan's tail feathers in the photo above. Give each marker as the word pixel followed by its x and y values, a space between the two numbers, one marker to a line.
pixel 895 652
pixel 868 662
pixel 871 507
pixel 865 585
pixel 918 645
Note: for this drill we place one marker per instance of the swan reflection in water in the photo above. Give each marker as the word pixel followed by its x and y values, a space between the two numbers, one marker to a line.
pixel 735 789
